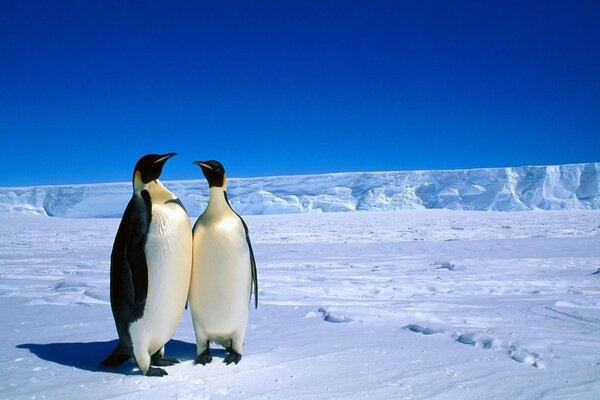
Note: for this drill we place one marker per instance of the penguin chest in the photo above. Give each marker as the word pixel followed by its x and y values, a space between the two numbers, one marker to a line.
pixel 168 252
pixel 168 244
pixel 221 276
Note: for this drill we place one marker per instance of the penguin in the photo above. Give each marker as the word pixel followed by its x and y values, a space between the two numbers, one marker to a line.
pixel 150 270
pixel 223 272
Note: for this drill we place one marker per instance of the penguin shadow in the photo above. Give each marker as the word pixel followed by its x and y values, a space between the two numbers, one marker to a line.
pixel 88 355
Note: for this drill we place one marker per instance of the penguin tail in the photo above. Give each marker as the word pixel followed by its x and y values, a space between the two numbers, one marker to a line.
pixel 116 358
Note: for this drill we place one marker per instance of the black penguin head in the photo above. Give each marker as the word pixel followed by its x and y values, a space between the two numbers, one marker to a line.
pixel 213 172
pixel 150 166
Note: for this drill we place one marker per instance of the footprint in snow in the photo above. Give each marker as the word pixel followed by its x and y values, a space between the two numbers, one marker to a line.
pixel 97 294
pixel 69 291
pixel 423 329
pixel 328 316
pixel 68 284
pixel 487 342
pixel 443 265
pixel 474 339
pixel 525 356
pixel 515 352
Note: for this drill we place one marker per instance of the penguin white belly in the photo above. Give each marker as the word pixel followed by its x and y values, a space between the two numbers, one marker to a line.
pixel 221 279
pixel 168 253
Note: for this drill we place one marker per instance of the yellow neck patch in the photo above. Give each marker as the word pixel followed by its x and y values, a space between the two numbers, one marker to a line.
pixel 137 181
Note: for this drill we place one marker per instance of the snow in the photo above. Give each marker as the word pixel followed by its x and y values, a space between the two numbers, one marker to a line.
pixel 574 186
pixel 421 304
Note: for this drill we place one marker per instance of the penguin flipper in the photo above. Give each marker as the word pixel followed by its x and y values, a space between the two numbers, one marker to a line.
pixel 254 274
pixel 252 265
pixel 129 269
pixel 252 260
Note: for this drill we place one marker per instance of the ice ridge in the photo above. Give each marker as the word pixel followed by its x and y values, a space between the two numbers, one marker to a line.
pixel 558 187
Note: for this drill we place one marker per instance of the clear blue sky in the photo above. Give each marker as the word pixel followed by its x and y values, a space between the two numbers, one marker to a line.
pixel 292 87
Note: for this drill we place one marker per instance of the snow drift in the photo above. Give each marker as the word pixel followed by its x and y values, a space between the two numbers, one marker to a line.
pixel 574 186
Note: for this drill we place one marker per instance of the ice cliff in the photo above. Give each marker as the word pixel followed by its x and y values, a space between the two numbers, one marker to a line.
pixel 574 186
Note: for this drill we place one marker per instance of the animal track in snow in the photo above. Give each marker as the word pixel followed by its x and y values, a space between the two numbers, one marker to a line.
pixel 525 356
pixel 328 315
pixel 69 285
pixel 477 340
pixel 70 291
pixel 514 351
pixel 97 294
pixel 443 265
pixel 422 329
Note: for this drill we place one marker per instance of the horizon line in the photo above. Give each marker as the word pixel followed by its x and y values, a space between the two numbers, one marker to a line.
pixel 316 174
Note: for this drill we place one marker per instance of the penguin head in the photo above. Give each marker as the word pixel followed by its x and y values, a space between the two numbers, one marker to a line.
pixel 213 172
pixel 149 168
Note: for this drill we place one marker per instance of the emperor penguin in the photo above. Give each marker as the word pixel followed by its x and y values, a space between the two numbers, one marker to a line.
pixel 223 272
pixel 150 270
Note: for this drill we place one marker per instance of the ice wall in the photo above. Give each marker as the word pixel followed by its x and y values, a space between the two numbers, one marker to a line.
pixel 574 186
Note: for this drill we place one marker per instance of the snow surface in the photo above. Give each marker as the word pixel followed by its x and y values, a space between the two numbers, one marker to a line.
pixel 575 186
pixel 423 304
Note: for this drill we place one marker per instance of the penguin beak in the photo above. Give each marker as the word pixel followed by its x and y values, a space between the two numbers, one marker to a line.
pixel 165 158
pixel 202 165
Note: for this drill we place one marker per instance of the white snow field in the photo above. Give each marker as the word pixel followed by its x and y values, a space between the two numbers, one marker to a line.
pixel 557 187
pixel 422 304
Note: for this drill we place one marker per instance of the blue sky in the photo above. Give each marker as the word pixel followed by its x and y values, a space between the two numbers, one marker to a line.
pixel 292 87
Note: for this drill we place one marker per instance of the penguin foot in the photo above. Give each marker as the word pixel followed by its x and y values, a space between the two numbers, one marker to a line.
pixel 232 357
pixel 116 358
pixel 156 372
pixel 160 361
pixel 204 358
